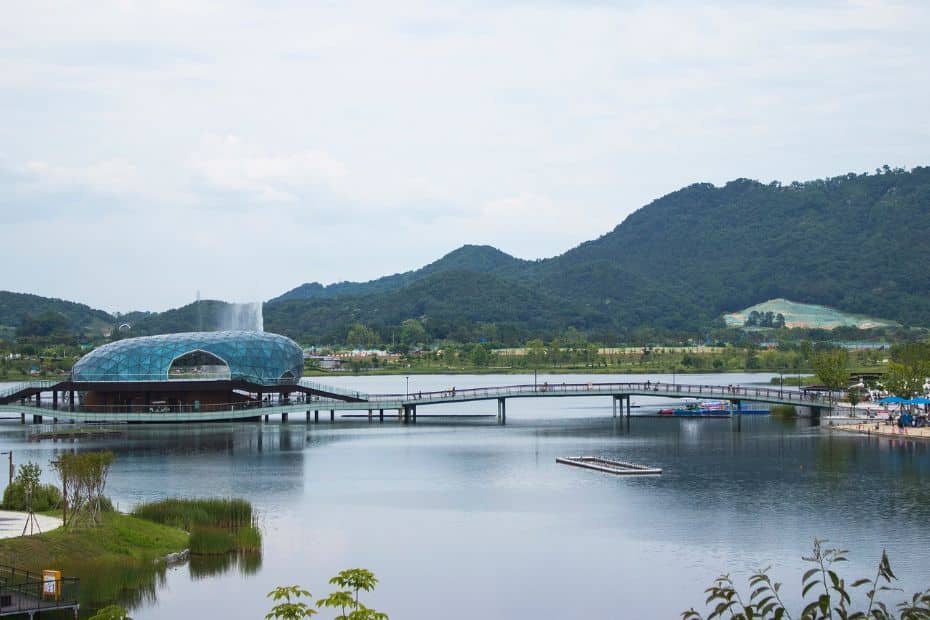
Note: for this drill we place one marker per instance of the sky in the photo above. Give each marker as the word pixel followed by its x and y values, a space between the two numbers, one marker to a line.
pixel 151 150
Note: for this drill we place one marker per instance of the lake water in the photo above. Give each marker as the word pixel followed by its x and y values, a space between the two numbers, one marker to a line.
pixel 468 519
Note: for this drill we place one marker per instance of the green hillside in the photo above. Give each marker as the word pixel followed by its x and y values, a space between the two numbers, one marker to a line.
pixel 474 258
pixel 855 243
pixel 15 308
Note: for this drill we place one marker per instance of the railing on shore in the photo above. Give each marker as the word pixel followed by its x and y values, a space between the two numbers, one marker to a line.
pixel 24 592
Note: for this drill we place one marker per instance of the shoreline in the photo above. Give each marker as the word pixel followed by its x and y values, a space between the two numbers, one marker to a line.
pixel 880 429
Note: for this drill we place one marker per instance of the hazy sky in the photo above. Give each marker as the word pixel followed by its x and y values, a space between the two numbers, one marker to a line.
pixel 152 149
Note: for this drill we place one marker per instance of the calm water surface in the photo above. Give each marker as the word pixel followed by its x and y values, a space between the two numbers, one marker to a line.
pixel 464 518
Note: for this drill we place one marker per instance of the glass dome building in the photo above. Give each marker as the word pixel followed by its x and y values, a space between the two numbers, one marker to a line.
pixel 259 358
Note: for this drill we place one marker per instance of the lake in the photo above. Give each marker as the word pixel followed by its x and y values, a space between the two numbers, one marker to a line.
pixel 463 518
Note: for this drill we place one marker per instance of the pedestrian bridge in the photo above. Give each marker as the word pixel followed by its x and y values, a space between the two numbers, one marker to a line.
pixel 323 398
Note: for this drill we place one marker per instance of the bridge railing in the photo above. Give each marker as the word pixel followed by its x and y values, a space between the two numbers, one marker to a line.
pixel 727 392
pixel 64 406
pixel 331 389
pixel 27 385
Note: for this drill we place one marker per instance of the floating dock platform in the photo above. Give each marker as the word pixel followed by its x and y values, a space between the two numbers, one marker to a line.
pixel 609 466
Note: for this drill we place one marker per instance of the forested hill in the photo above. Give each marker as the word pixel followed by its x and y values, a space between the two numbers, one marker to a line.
pixel 855 242
pixel 472 258
pixel 858 243
pixel 15 308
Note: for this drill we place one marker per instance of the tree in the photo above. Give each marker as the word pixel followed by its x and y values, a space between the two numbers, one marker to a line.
pixel 412 333
pixel 908 370
pixel 830 368
pixel 361 337
pixel 83 480
pixel 352 581
pixel 287 609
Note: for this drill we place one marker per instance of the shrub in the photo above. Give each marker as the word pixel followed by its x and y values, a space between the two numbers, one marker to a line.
pixel 832 595
pixel 45 497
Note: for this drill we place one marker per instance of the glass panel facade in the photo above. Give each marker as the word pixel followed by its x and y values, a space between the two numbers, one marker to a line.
pixel 257 357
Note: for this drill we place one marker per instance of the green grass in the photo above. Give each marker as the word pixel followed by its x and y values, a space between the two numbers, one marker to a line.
pixel 118 536
pixel 188 513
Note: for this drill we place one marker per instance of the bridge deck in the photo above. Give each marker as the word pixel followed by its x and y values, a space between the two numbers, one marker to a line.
pixel 364 402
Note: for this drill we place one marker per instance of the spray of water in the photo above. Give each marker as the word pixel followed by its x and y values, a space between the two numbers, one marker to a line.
pixel 243 317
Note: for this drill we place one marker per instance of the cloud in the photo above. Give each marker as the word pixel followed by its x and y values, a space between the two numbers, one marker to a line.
pixel 200 138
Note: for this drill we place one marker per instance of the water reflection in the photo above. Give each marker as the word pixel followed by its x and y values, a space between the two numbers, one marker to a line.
pixel 206 566
pixel 450 502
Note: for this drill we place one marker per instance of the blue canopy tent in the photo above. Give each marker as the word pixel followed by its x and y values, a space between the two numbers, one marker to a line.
pixel 920 400
pixel 892 400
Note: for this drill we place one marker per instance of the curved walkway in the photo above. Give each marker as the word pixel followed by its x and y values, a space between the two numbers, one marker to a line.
pixel 11 523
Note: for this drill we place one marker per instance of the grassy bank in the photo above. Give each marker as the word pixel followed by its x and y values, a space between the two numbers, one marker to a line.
pixel 117 537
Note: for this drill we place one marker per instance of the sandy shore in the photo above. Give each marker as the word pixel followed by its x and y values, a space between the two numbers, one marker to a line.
pixel 11 523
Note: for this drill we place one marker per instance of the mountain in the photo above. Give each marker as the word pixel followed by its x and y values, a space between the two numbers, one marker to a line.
pixel 15 308
pixel 854 242
pixel 473 258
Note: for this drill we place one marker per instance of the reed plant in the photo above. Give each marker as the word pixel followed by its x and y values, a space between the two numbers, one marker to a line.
pixel 249 539
pixel 231 513
pixel 212 541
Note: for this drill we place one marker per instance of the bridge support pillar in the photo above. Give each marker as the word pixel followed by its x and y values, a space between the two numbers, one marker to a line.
pixel 502 411
pixel 308 415
pixel 36 419
pixel 332 415
pixel 316 415
pixel 738 414
pixel 55 400
pixel 613 401
pixel 266 417
pixel 627 406
pixel 369 416
pixel 71 400
pixel 22 418
pixel 381 416
pixel 413 411
pixel 815 415
pixel 284 418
